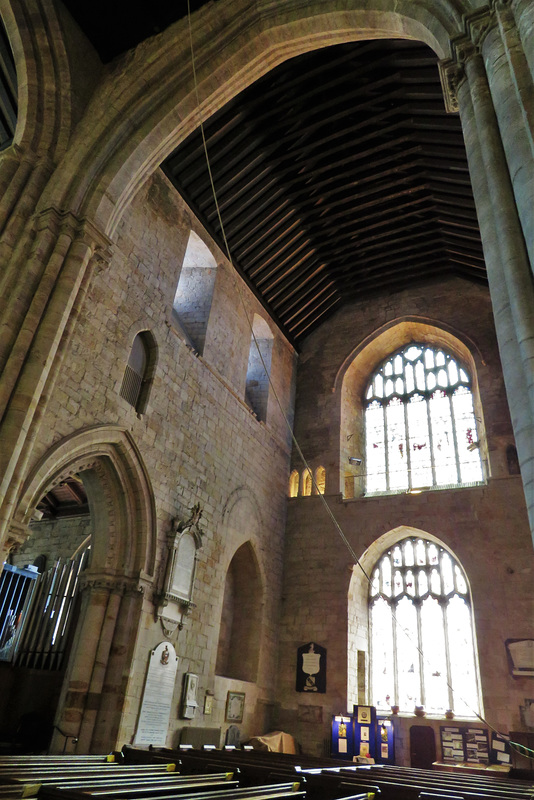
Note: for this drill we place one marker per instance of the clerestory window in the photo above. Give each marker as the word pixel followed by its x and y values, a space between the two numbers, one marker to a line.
pixel 420 425
pixel 422 640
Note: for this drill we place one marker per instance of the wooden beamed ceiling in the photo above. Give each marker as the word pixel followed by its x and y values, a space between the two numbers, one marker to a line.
pixel 339 176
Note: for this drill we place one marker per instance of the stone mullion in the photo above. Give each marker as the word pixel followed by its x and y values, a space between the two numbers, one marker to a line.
pixel 512 93
pixel 516 369
pixel 523 11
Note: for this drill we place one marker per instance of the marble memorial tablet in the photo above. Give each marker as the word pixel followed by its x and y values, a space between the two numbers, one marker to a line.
pixel 157 696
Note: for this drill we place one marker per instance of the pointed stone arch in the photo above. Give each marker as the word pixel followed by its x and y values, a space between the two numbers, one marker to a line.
pixel 96 693
pixel 133 136
pixel 357 606
pixel 353 375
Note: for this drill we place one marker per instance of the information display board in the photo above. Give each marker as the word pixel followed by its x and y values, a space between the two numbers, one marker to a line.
pixel 342 737
pixel 464 744
pixel 385 741
pixel 365 731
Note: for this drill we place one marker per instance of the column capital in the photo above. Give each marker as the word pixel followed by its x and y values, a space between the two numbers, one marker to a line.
pixel 121 585
pixel 17 534
pixel 78 230
pixel 480 23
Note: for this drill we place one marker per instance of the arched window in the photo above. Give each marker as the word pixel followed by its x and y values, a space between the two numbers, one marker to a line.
pixel 8 91
pixel 259 367
pixel 420 426
pixel 194 293
pixel 294 484
pixel 139 371
pixel 320 479
pixel 306 483
pixel 422 640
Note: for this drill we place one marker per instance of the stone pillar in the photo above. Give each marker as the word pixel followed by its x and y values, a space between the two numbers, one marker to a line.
pixel 508 268
pixel 115 701
pixel 65 251
pixel 512 93
pixel 86 646
pixel 523 11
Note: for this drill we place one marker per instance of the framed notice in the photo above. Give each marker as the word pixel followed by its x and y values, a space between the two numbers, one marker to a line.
pixel 235 706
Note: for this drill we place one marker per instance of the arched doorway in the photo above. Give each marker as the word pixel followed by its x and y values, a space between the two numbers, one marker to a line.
pixel 96 688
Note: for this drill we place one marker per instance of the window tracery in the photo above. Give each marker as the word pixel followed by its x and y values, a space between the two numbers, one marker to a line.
pixel 420 425
pixel 422 639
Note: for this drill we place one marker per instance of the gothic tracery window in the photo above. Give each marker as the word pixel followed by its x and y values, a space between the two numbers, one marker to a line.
pixel 420 424
pixel 422 641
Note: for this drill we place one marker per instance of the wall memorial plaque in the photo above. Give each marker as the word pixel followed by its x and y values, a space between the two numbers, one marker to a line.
pixel 157 696
pixel 311 668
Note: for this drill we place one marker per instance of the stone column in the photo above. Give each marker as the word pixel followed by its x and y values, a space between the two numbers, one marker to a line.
pixel 115 701
pixel 512 93
pixel 509 274
pixel 73 700
pixel 523 11
pixel 31 366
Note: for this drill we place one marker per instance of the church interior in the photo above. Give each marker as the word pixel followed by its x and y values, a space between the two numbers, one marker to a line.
pixel 266 377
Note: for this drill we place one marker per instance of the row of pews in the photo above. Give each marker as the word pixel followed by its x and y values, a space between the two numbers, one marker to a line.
pixel 232 774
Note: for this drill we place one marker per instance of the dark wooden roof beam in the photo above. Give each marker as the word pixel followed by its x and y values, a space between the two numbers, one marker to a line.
pixel 292 283
pixel 277 271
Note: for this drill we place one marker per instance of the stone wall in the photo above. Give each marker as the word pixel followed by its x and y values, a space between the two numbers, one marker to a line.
pixel 197 438
pixel 486 527
pixel 57 538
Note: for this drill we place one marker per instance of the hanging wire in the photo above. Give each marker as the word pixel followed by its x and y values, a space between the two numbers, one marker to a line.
pixel 516 745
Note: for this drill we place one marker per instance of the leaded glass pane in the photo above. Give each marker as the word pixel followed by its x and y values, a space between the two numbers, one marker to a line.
pixel 408 677
pixel 409 557
pixel 440 359
pixel 443 439
pixel 422 583
pixel 462 656
pixel 386 576
pixel 429 358
pixel 461 585
pixel 433 554
pixel 397 583
pixel 435 662
pixel 382 668
pixel 412 352
pixel 420 552
pixel 446 573
pixel 410 583
pixel 453 372
pixel 466 431
pixel 396 436
pixel 375 448
pixel 435 582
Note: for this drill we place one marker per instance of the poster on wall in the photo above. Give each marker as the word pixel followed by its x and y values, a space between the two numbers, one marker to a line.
pixel 155 711
pixel 311 668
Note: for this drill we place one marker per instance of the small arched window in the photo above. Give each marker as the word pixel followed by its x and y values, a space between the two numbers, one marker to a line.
pixel 420 425
pixel 294 484
pixel 422 638
pixel 320 479
pixel 259 367
pixel 194 293
pixel 306 483
pixel 139 371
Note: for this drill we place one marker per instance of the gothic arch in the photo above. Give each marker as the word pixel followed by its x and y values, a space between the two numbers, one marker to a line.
pixel 358 593
pixel 352 376
pixel 44 119
pixel 119 492
pixel 132 131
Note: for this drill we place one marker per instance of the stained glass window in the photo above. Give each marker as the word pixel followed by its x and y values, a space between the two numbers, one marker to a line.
pixel 420 425
pixel 422 642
